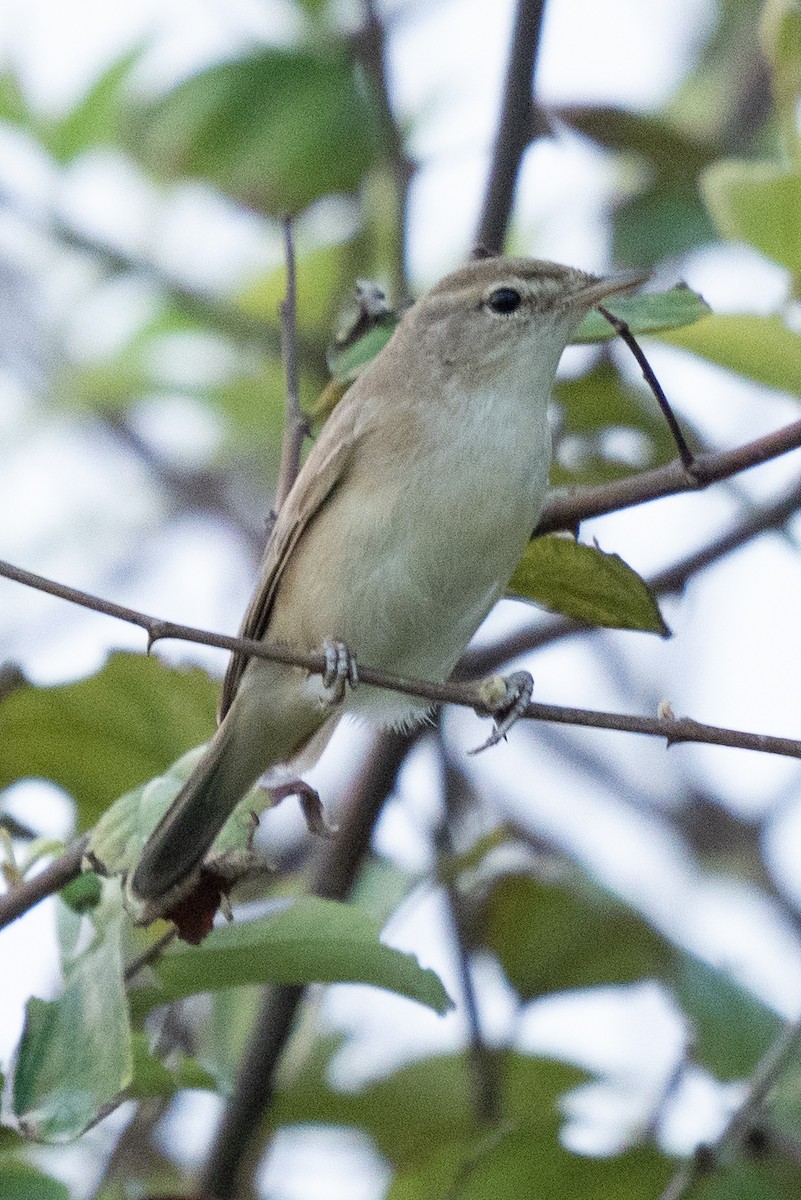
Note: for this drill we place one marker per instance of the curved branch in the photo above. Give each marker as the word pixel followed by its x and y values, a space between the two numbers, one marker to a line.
pixel 24 896
pixel 568 510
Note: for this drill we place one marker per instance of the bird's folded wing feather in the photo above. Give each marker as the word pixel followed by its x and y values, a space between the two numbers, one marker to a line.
pixel 323 471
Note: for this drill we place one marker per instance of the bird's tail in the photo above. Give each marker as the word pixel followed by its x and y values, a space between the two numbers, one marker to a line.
pixel 265 725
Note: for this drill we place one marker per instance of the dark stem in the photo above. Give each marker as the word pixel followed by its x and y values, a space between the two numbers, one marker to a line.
pixel 18 900
pixel 621 327
pixel 516 126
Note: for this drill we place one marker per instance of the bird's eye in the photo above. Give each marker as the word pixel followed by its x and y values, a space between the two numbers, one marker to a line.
pixel 504 300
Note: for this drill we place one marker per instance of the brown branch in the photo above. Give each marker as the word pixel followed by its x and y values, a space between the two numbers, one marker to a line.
pixel 464 694
pixel 18 900
pixel 296 426
pixel 370 47
pixel 568 510
pixel 516 126
pixel 335 873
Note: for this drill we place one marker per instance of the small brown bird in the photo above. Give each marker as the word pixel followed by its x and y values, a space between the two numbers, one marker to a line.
pixel 401 532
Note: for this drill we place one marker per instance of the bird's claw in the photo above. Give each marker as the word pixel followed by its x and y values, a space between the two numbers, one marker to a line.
pixel 340 671
pixel 506 699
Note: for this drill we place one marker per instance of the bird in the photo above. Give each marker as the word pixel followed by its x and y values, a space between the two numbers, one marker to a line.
pixel 400 533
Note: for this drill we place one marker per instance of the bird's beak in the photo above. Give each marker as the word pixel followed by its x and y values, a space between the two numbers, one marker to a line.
pixel 596 291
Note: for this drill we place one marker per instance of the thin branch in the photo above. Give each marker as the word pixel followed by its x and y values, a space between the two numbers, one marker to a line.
pixel 765 1076
pixel 296 426
pixel 622 329
pixel 18 900
pixel 516 126
pixel 674 730
pixel 370 47
pixel 338 865
pixel 568 510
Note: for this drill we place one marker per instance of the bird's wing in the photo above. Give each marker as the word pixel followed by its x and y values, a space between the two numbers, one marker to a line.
pixel 322 473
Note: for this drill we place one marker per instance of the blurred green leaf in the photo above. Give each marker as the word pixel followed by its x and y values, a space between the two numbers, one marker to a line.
pixel 758 203
pixel 585 584
pixel 95 120
pixel 559 937
pixel 84 893
pixel 309 941
pixel 277 130
pixel 761 348
pixel 13 106
pixel 21 1181
pixel 347 364
pixel 100 736
pixel 780 41
pixel 665 216
pixel 732 1028
pixel 520 1162
pixel 153 1079
pixel 775 1178
pixel 75 1056
pixel 646 313
pixel 429 1103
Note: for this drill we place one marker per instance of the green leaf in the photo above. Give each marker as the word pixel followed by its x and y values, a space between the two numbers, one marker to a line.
pixel 309 941
pixel 95 121
pixel 84 893
pixel 558 937
pixel 647 313
pixel 780 41
pixel 520 1162
pixel 100 736
pixel 75 1055
pixel 431 1102
pixel 277 130
pixel 758 203
pixel 761 348
pixel 586 585
pixel 664 216
pixel 347 364
pixel 20 1181
pixel 732 1028
pixel 119 836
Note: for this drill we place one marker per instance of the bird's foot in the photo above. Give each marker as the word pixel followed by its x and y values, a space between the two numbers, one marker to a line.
pixel 340 671
pixel 505 698
pixel 314 814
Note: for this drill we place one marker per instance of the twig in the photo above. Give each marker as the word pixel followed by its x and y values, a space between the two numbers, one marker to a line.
pixel 516 126
pixel 672 729
pixel 61 871
pixel 296 426
pixel 370 46
pixel 621 327
pixel 336 871
pixel 707 1157
pixel 568 510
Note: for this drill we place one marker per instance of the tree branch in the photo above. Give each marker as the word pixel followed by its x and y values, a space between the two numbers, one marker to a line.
pixel 568 510
pixel 465 694
pixel 61 871
pixel 516 126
